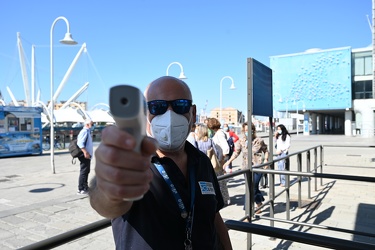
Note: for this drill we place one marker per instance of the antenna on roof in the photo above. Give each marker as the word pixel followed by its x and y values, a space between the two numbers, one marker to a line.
pixel 369 23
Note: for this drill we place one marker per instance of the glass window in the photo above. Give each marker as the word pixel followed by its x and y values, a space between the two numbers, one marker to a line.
pixel 2 126
pixel 368 65
pixel 362 90
pixel 359 67
pixel 13 124
pixel 358 120
pixel 362 63
pixel 25 124
pixel 368 86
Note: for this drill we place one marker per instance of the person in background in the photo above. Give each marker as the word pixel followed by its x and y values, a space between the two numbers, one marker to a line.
pixel 282 141
pixel 259 147
pixel 203 141
pixel 222 149
pixel 84 142
pixel 167 196
pixel 204 144
pixel 231 139
pixel 231 132
pixel 192 136
pixel 210 132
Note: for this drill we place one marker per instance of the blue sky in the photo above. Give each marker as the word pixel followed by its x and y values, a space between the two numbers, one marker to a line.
pixel 133 42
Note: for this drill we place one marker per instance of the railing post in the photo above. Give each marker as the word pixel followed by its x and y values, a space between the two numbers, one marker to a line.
pixel 321 164
pixel 272 194
pixel 308 178
pixel 315 167
pixel 299 167
pixel 249 207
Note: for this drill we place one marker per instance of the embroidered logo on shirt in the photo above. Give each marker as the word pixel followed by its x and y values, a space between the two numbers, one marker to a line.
pixel 206 187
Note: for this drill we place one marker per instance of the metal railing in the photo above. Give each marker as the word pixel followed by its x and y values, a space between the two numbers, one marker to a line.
pixel 310 173
pixel 251 228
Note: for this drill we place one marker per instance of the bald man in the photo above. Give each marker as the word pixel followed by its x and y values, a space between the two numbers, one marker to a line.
pixel 181 195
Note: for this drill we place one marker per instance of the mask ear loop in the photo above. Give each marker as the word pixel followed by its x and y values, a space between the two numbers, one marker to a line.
pixel 150 127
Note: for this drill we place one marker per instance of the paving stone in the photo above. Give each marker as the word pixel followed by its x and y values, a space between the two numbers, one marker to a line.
pixel 47 214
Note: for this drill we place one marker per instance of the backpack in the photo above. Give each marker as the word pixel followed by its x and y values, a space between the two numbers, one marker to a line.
pixel 74 150
pixel 231 146
pixel 211 153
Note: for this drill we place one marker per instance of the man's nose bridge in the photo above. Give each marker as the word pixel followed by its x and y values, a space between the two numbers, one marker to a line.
pixel 169 105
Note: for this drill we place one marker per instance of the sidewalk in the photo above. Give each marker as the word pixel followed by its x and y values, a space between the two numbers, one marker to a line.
pixel 36 204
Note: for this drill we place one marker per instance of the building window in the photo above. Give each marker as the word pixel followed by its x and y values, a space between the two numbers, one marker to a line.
pixel 362 64
pixel 362 90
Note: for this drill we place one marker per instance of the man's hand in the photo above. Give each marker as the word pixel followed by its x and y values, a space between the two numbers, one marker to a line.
pixel 86 154
pixel 225 164
pixel 122 173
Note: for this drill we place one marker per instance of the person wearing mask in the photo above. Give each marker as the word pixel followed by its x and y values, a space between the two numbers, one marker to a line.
pixel 84 142
pixel 230 132
pixel 178 196
pixel 260 155
pixel 282 143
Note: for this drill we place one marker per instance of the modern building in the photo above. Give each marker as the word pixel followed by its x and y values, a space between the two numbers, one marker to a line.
pixel 332 88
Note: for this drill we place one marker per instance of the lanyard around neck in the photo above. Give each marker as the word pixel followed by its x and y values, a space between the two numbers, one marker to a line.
pixel 175 193
pixel 184 214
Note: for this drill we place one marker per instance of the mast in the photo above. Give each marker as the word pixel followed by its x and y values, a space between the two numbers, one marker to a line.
pixel 23 69
pixel 12 97
pixel 68 73
pixel 76 95
pixel 32 75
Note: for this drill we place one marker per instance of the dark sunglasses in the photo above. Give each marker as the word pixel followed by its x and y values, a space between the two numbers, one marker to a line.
pixel 159 107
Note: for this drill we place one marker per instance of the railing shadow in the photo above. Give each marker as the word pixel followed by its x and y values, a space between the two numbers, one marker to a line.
pixel 298 230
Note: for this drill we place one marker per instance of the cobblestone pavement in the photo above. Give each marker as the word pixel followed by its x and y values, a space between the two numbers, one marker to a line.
pixel 36 204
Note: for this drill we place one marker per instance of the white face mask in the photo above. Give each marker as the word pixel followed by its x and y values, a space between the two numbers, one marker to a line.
pixel 170 130
pixel 279 132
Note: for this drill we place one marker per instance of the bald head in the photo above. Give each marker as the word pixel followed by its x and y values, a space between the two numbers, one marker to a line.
pixel 167 88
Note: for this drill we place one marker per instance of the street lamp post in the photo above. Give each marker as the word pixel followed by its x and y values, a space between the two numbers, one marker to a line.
pixel 221 93
pixel 182 75
pixel 66 40
pixel 296 103
pixel 279 100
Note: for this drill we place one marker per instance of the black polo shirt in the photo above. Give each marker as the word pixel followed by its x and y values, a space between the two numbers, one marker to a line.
pixel 155 221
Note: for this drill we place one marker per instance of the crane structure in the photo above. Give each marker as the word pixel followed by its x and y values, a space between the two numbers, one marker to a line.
pixel 203 115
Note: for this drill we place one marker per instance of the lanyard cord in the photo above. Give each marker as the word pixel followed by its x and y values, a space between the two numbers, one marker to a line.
pixel 184 214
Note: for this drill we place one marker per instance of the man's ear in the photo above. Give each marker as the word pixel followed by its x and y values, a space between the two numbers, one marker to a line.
pixel 194 112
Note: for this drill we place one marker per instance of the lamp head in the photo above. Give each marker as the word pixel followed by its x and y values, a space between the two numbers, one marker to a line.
pixel 68 39
pixel 182 76
pixel 232 86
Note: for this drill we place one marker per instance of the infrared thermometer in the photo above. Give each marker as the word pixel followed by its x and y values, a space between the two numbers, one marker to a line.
pixel 128 108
